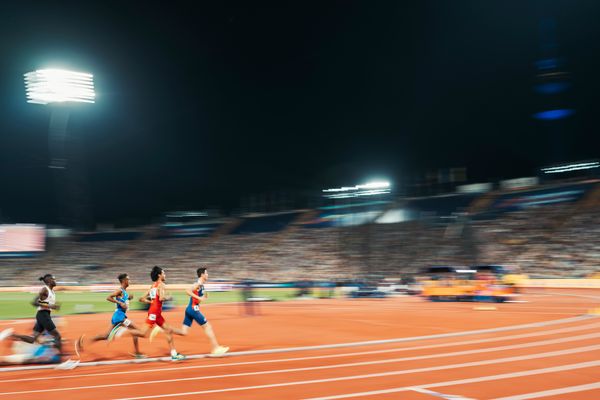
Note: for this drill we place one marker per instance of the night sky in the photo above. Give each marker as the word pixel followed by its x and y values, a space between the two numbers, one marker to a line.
pixel 201 103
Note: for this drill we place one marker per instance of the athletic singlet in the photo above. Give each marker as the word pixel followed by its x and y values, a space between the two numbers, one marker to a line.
pixel 155 302
pixel 50 299
pixel 198 292
pixel 124 298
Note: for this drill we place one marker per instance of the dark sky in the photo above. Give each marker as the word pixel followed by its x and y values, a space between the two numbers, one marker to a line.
pixel 199 103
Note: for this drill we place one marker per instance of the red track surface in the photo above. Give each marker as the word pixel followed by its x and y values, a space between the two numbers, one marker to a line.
pixel 558 360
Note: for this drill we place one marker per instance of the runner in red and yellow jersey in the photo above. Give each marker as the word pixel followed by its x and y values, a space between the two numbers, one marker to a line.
pixel 155 296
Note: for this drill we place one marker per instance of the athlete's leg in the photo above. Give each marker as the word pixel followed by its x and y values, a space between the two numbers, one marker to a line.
pixel 136 344
pixel 57 339
pixel 169 337
pixel 175 356
pixel 25 338
pixel 169 329
pixel 140 332
pixel 208 330
pixel 188 320
pixel 102 336
pixel 177 331
pixel 38 328
pixel 193 315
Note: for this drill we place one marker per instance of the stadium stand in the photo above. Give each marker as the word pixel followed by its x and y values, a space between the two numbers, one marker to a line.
pixel 548 232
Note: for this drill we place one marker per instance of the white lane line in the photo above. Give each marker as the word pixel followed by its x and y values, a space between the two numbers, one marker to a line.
pixel 323 367
pixel 375 392
pixel 326 346
pixel 441 395
pixel 553 392
pixel 394 350
pixel 569 367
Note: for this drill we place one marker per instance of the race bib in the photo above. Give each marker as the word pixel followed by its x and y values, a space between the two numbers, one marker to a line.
pixel 196 308
pixel 152 294
pixel 152 317
pixel 127 322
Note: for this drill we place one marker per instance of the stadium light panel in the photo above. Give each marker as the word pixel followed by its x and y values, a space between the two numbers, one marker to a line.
pixel 366 186
pixel 570 167
pixel 45 86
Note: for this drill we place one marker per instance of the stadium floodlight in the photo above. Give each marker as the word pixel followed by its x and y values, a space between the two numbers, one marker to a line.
pixel 45 86
pixel 570 167
pixel 375 185
pixel 55 88
pixel 368 189
pixel 369 185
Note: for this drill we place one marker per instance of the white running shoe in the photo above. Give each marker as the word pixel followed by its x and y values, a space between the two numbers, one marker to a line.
pixel 69 364
pixel 113 332
pixel 6 333
pixel 219 351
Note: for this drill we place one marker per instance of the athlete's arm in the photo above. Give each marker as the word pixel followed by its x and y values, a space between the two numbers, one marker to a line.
pixel 40 299
pixel 190 291
pixel 144 297
pixel 162 293
pixel 113 295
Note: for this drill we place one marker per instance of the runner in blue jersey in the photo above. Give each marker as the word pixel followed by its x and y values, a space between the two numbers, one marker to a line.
pixel 192 312
pixel 119 319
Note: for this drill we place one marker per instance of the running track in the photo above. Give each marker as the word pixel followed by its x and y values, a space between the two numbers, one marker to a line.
pixel 401 348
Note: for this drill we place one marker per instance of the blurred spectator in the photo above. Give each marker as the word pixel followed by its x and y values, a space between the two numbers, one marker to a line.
pixel 550 241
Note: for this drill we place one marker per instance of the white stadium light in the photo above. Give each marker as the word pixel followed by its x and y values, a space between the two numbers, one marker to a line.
pixel 571 167
pixel 368 189
pixel 374 185
pixel 46 86
pixel 370 185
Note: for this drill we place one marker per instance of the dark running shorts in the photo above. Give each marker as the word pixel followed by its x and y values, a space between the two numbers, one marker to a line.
pixel 43 322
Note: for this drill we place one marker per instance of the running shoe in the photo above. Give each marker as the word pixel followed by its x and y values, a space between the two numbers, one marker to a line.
pixel 69 364
pixel 219 351
pixel 113 332
pixel 178 357
pixel 6 333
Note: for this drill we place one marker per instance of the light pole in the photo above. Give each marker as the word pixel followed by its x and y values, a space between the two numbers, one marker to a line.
pixel 60 88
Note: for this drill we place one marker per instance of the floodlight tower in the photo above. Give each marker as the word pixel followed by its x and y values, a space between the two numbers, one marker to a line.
pixel 59 89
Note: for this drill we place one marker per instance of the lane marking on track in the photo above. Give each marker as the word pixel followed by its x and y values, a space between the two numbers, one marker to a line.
pixel 487 378
pixel 394 350
pixel 441 395
pixel 553 392
pixel 375 392
pixel 326 346
pixel 281 371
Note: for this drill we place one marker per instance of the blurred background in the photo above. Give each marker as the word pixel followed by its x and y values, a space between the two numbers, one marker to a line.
pixel 329 142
